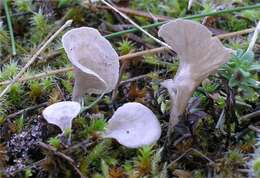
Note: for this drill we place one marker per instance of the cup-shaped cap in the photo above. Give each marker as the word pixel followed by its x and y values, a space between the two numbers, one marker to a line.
pixel 133 125
pixel 61 114
pixel 200 55
pixel 96 62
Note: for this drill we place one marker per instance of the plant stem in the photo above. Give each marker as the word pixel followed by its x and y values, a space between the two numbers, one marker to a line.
pixel 9 22
pixel 254 38
pixel 92 104
pixel 116 34
pixel 136 25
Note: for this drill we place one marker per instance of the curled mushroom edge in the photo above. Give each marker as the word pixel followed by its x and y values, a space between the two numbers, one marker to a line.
pixel 62 114
pixel 96 63
pixel 200 55
pixel 133 125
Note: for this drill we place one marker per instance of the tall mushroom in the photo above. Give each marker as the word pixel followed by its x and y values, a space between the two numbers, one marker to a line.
pixel 200 55
pixel 133 125
pixel 95 61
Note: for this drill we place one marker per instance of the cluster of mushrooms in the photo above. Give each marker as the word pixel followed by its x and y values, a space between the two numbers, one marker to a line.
pixel 96 68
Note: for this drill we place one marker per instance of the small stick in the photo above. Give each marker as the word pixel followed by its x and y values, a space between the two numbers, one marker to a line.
pixel 134 79
pixel 67 69
pixel 231 34
pixel 250 116
pixel 40 75
pixel 196 16
pixel 34 57
pixel 26 109
pixel 136 13
pixel 92 104
pixel 254 38
pixel 136 25
pixel 17 170
pixel 84 144
pixel 61 155
pixel 211 162
pixel 180 157
pixel 257 130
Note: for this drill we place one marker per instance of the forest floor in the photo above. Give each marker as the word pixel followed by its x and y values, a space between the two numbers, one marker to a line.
pixel 218 135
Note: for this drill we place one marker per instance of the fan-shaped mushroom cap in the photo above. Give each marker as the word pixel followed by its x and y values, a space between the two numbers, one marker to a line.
pixel 96 62
pixel 200 55
pixel 133 125
pixel 61 114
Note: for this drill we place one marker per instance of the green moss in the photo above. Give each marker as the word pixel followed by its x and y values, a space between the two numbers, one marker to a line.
pixel 15 95
pixel 55 142
pixel 9 71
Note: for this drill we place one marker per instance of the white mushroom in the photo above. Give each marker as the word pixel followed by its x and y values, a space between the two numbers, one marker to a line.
pixel 95 61
pixel 61 114
pixel 133 125
pixel 200 55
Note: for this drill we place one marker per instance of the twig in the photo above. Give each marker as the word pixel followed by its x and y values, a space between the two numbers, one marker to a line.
pixel 179 140
pixel 256 6
pixel 67 69
pixel 231 34
pixel 92 104
pixel 10 27
pixel 40 75
pixel 61 155
pixel 16 14
pixel 17 170
pixel 250 116
pixel 254 38
pixel 136 25
pixel 34 57
pixel 134 79
pixel 84 144
pixel 60 91
pixel 221 120
pixel 180 157
pixel 211 162
pixel 257 130
pixel 136 13
pixel 26 109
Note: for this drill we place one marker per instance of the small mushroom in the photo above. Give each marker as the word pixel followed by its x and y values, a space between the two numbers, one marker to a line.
pixel 95 61
pixel 200 55
pixel 61 114
pixel 133 125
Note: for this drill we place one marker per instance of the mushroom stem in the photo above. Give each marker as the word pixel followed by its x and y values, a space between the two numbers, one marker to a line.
pixel 180 92
pixel 77 93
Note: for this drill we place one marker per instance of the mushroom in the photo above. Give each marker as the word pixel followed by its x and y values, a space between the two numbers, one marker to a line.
pixel 96 63
pixel 133 125
pixel 200 55
pixel 61 114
